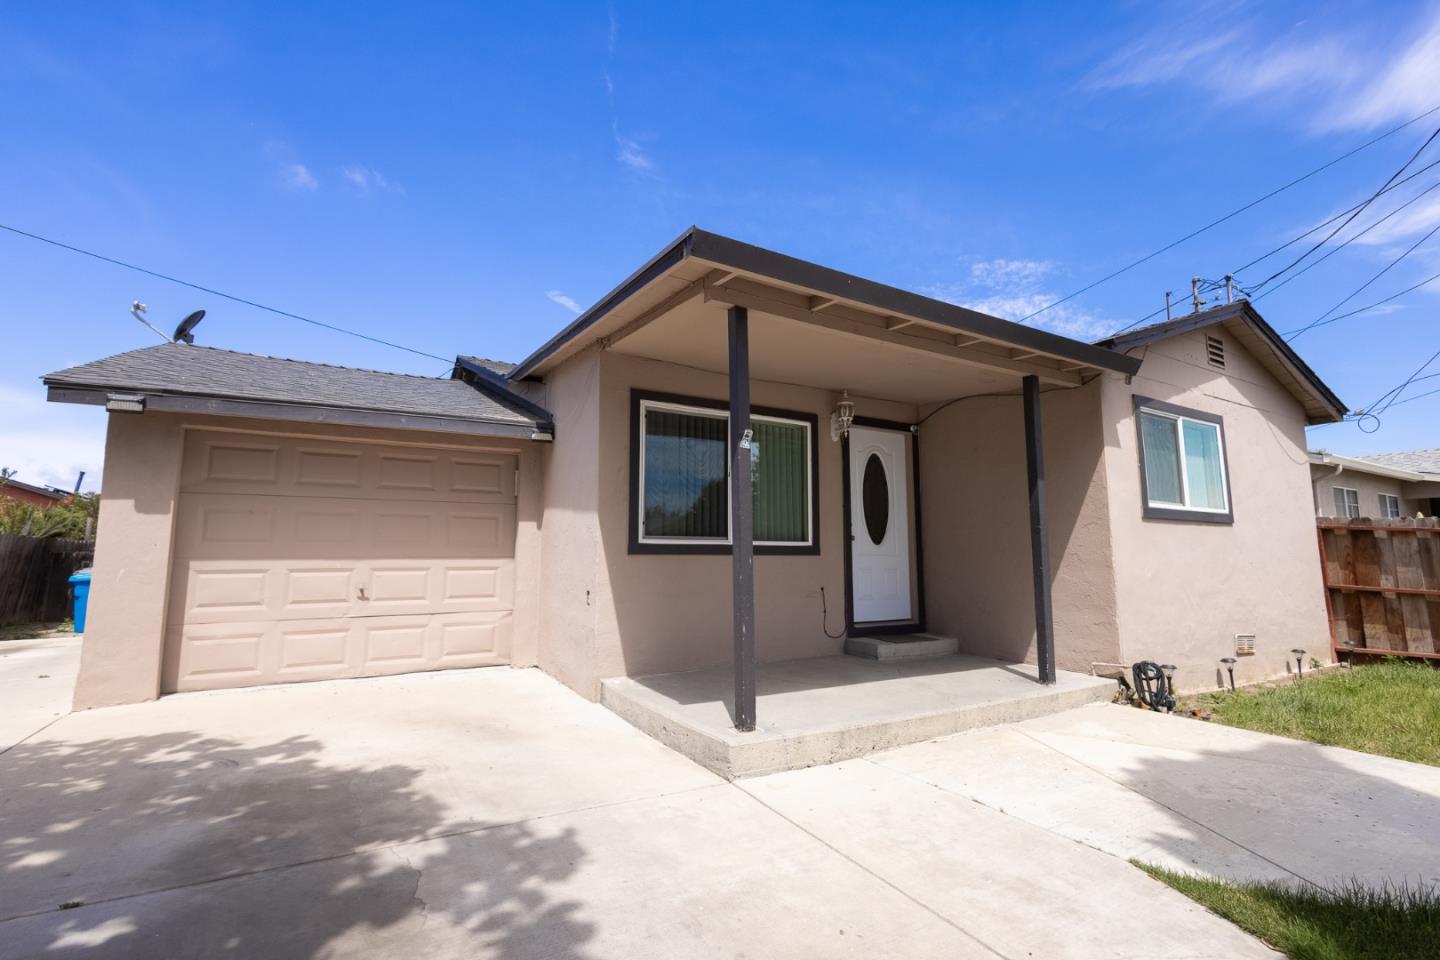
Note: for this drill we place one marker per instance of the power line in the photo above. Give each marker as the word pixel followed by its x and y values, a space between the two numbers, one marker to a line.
pixel 1349 240
pixel 1347 221
pixel 1386 269
pixel 217 293
pixel 1377 303
pixel 1388 399
pixel 1235 213
pixel 1321 226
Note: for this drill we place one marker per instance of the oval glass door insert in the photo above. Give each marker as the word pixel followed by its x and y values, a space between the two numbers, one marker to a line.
pixel 875 499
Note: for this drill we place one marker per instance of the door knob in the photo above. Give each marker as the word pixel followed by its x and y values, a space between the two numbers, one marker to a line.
pixel 362 594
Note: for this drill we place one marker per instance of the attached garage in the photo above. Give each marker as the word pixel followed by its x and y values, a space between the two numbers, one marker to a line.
pixel 274 521
pixel 306 559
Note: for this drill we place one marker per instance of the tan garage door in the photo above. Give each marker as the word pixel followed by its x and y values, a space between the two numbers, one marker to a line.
pixel 310 559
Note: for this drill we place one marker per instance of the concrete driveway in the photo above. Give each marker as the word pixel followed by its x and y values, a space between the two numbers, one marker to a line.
pixel 492 813
pixel 37 681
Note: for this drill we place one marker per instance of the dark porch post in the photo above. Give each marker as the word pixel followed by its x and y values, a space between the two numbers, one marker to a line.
pixel 1039 533
pixel 742 510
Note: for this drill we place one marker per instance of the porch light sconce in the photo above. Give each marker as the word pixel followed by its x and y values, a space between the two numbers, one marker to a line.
pixel 1229 663
pixel 1299 662
pixel 843 416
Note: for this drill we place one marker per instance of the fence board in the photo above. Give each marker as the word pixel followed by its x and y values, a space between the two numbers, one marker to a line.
pixel 34 574
pixel 1383 581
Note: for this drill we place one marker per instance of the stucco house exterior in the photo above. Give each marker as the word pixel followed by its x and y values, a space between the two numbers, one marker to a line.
pixel 607 507
pixel 1381 486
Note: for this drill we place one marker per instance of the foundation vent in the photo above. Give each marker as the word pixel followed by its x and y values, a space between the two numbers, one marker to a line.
pixel 1245 644
pixel 1215 351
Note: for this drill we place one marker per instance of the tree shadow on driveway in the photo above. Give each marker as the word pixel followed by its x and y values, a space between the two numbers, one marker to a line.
pixel 183 845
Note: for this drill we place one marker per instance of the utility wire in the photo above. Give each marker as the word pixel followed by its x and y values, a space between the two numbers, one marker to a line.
pixel 1235 213
pixel 1377 303
pixel 1388 399
pixel 1349 240
pixel 1347 221
pixel 1386 269
pixel 218 293
pixel 1321 226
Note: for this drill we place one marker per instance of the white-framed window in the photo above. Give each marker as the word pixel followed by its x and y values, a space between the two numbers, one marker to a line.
pixel 1182 455
pixel 1347 502
pixel 683 485
pixel 1389 506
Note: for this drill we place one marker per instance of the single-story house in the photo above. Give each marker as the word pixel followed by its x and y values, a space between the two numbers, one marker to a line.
pixel 1383 486
pixel 734 456
pixel 13 489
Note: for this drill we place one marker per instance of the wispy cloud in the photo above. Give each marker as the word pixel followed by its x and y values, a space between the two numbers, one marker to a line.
pixel 1015 288
pixel 557 296
pixel 1337 77
pixel 292 174
pixel 369 180
pixel 297 176
pixel 628 148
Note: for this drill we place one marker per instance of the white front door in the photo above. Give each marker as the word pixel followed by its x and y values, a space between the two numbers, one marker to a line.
pixel 879 525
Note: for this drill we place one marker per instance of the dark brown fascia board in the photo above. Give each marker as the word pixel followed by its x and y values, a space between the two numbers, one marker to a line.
pixel 304 413
pixel 497 387
pixel 748 258
pixel 1242 309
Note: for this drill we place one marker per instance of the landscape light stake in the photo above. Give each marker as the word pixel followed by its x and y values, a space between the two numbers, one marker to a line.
pixel 1169 670
pixel 1230 669
pixel 1299 663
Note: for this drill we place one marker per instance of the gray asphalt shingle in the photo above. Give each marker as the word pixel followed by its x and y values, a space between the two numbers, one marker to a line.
pixel 1420 461
pixel 181 369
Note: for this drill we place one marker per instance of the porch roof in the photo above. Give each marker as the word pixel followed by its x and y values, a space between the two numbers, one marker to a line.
pixel 836 330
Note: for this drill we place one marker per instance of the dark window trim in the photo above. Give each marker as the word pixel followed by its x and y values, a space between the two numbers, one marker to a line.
pixel 880 628
pixel 1182 513
pixel 637 397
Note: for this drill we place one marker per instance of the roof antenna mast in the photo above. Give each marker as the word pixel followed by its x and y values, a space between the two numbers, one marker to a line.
pixel 137 310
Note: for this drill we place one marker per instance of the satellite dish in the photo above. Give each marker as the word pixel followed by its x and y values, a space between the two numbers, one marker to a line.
pixel 182 332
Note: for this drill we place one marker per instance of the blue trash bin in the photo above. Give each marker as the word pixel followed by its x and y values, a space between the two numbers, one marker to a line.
pixel 79 598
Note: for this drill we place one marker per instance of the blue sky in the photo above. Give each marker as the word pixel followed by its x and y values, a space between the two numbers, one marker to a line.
pixel 459 178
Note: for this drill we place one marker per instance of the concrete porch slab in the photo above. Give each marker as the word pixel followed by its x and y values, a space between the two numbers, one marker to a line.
pixel 828 709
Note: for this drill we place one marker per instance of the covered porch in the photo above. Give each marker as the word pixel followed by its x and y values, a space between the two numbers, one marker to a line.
pixel 828 709
pixel 865 379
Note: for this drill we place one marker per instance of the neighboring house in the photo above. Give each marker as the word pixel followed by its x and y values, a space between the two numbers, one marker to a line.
pixel 13 489
pixel 270 520
pixel 1380 486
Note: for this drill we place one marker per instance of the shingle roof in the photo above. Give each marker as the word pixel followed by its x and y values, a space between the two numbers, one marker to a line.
pixel 494 366
pixel 1420 461
pixel 1244 322
pixel 181 369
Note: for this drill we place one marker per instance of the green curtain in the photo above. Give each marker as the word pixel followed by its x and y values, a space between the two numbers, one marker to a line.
pixel 1162 459
pixel 685 489
pixel 779 468
pixel 1203 466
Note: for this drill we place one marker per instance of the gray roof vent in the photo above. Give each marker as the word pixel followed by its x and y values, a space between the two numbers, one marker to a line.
pixel 1215 351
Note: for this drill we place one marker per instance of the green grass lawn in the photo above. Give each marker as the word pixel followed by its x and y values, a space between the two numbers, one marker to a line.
pixel 1355 923
pixel 1390 708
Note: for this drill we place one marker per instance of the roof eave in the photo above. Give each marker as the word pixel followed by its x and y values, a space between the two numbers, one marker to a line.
pixel 737 255
pixel 60 391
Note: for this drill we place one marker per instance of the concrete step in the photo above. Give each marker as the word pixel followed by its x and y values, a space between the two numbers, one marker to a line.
pixel 828 709
pixel 910 646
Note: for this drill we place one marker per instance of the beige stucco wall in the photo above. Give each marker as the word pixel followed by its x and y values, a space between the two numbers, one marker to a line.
pixel 125 628
pixel 664 613
pixel 1184 589
pixel 123 646
pixel 978 572
pixel 1324 480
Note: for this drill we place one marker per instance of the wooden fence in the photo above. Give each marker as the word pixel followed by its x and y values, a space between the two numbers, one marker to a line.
pixel 34 574
pixel 1382 586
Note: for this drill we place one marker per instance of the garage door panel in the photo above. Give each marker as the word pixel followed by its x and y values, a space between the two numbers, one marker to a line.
pixel 233 526
pixel 218 656
pixel 310 559
pixel 220 462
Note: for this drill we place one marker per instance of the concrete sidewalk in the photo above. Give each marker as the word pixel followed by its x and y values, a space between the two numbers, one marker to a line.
pixel 492 813
pixel 37 683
